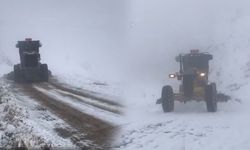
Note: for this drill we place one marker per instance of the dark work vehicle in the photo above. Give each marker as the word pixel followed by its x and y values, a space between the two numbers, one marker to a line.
pixel 30 69
pixel 193 74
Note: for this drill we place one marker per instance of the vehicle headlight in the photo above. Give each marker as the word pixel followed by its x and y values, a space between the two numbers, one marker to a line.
pixel 172 75
pixel 202 74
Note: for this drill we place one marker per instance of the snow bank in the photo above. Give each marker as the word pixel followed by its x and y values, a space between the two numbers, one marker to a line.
pixel 23 122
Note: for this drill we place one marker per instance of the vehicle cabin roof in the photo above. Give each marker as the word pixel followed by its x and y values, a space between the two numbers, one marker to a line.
pixel 28 45
pixel 197 60
pixel 204 56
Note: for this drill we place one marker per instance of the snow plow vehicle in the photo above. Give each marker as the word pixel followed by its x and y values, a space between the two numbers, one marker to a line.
pixel 193 74
pixel 30 68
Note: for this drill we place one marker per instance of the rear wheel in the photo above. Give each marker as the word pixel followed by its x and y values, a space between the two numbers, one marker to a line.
pixel 45 72
pixel 167 97
pixel 210 97
pixel 17 73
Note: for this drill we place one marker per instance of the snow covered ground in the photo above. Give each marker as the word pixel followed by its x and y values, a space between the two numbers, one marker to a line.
pixel 105 88
pixel 24 120
pixel 190 127
pixel 159 31
pixel 84 107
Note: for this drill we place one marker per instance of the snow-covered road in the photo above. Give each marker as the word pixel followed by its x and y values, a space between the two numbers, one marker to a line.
pixel 190 127
pixel 25 120
pixel 93 107
pixel 86 122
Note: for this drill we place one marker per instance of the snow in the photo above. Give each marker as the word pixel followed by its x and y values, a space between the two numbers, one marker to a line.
pixel 24 119
pixel 159 30
pixel 93 102
pixel 83 107
pixel 190 126
pixel 105 88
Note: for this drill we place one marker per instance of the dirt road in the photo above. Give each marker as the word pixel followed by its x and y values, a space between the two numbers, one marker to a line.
pixel 70 105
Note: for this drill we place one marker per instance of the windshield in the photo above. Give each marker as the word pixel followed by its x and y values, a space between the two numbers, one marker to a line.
pixel 196 62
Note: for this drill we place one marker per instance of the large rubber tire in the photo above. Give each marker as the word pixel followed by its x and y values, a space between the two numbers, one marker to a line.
pixel 44 73
pixel 211 97
pixel 17 73
pixel 167 97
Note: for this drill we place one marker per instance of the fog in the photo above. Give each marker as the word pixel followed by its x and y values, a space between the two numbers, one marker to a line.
pixel 160 30
pixel 133 40
pixel 80 36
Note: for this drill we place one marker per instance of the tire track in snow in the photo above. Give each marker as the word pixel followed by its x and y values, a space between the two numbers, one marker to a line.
pixel 84 93
pixel 96 130
pixel 99 103
pixel 79 104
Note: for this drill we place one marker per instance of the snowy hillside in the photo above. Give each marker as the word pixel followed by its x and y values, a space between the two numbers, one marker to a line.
pixel 190 127
pixel 80 38
pixel 81 43
pixel 105 55
pixel 6 64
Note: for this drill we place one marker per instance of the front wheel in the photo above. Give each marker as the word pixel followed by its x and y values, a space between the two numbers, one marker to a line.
pixel 167 97
pixel 210 97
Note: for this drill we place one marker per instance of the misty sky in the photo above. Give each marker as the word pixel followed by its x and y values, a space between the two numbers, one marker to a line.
pixel 87 33
pixel 133 38
pixel 161 29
